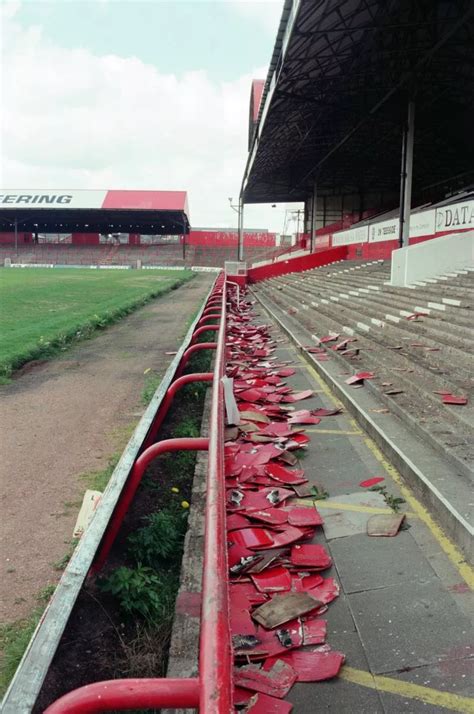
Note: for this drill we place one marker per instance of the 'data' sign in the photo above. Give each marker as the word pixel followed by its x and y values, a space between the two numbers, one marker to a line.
pixel 458 215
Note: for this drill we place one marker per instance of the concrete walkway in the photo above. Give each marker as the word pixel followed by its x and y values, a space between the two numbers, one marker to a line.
pixel 404 616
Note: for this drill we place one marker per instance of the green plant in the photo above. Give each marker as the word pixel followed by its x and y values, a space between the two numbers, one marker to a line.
pixel 393 502
pixel 98 480
pixel 152 382
pixel 45 594
pixel 62 562
pixel 319 494
pixel 161 539
pixel 140 592
pixel 14 639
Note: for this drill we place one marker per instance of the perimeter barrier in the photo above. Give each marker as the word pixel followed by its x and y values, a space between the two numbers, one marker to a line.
pixel 211 691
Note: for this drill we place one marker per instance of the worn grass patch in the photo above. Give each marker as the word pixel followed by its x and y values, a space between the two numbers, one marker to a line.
pixel 43 310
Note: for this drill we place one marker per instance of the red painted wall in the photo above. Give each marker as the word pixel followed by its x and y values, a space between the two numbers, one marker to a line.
pixel 85 239
pixel 10 238
pixel 295 265
pixel 227 239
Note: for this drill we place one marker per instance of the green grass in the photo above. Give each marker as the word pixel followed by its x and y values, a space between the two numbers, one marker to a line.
pixel 43 310
pixel 14 639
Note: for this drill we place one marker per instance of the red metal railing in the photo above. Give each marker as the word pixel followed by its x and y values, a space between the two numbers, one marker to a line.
pixel 211 692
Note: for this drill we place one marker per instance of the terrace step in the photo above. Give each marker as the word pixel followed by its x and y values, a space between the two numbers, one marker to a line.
pixel 456 341
pixel 449 431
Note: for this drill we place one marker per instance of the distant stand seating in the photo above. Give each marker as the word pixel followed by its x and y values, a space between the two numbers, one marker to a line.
pixel 164 254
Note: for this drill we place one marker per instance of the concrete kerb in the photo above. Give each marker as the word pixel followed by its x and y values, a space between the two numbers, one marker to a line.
pixel 452 522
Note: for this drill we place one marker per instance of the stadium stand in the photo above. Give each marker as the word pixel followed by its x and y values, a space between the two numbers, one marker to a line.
pixel 162 255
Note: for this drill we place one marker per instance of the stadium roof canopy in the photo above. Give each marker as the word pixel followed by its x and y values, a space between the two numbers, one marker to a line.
pixel 61 211
pixel 336 95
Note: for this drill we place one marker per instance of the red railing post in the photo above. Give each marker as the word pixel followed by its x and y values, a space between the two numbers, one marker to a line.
pixel 201 330
pixel 215 651
pixel 136 475
pixel 128 694
pixel 212 692
pixel 190 351
pixel 168 400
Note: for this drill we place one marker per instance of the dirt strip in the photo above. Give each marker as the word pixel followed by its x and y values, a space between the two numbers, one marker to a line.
pixel 65 418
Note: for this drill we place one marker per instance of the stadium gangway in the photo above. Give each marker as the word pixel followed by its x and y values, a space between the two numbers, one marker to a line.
pixel 211 691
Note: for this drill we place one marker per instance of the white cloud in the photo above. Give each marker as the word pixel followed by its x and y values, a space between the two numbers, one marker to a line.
pixel 75 119
pixel 266 12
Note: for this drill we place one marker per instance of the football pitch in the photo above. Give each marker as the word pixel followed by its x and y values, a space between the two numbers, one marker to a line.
pixel 43 310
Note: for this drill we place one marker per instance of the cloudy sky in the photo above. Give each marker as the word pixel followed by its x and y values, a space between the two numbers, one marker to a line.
pixel 147 94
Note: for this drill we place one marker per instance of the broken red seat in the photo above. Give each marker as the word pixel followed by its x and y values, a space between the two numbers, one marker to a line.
pixel 302 582
pixel 313 665
pixel 236 521
pixel 246 589
pixel 304 516
pixel 272 580
pixel 298 396
pixel 311 630
pixel 287 535
pixel 263 499
pixel 252 538
pixel 325 412
pixel 264 704
pixel 275 680
pixel 272 516
pixel 329 338
pixel 283 475
pixel 267 643
pixel 297 442
pixel 326 592
pixel 304 416
pixel 359 377
pixel 310 556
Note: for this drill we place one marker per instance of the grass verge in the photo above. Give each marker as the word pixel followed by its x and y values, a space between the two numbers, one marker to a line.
pixel 44 311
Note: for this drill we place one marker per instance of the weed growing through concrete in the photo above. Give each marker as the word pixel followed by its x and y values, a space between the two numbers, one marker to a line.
pixel 393 502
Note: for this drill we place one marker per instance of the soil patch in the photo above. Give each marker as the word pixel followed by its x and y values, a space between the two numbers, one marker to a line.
pixel 57 423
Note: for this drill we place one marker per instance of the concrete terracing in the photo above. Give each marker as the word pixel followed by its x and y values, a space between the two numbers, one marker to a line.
pixel 412 357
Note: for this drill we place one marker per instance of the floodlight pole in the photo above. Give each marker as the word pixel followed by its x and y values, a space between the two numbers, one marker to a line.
pixel 406 176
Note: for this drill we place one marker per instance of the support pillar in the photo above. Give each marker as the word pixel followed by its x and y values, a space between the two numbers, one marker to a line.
pixel 240 242
pixel 314 206
pixel 406 176
pixel 15 224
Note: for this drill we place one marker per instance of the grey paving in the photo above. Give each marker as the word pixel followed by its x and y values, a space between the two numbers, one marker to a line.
pixel 340 523
pixel 454 677
pixel 365 563
pixel 410 624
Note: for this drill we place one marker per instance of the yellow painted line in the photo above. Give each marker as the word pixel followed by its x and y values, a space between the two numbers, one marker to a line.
pixel 427 695
pixel 336 506
pixel 320 381
pixel 451 550
pixel 334 431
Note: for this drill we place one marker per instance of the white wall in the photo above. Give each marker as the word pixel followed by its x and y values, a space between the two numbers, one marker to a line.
pixel 432 258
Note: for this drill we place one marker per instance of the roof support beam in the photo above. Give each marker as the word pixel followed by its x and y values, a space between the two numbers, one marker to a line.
pixel 406 176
